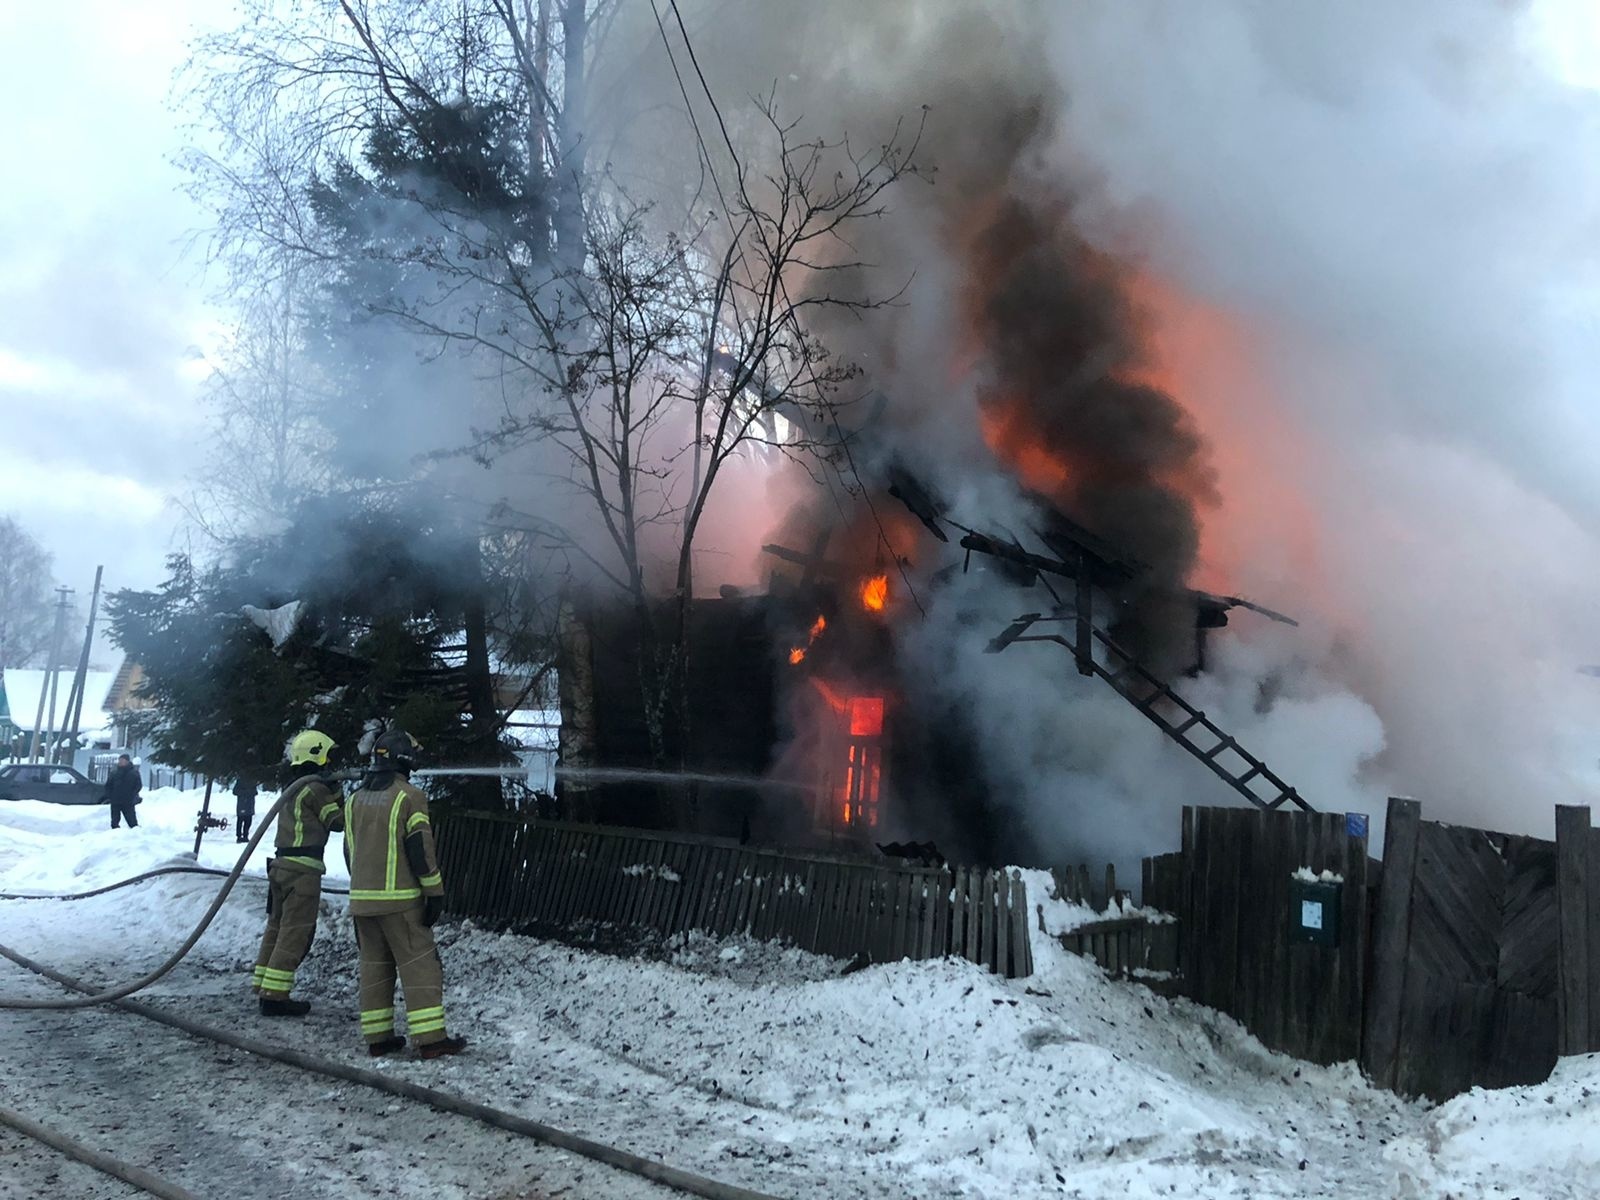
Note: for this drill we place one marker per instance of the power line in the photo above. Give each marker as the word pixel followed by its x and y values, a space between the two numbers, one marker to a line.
pixel 705 153
pixel 783 287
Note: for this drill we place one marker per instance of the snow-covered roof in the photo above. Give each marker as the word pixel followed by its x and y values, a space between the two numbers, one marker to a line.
pixel 22 688
pixel 278 623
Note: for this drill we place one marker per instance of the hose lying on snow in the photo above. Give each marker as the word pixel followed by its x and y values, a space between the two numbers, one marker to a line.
pixel 155 874
pixel 178 955
pixel 97 1159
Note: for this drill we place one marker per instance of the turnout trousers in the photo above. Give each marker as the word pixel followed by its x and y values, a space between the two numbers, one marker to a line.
pixel 398 943
pixel 293 899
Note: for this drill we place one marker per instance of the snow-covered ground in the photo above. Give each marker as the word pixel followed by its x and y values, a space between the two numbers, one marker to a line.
pixel 72 847
pixel 762 1066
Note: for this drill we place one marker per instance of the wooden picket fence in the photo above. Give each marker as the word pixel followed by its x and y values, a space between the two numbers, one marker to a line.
pixel 510 872
pixel 1124 945
pixel 1132 947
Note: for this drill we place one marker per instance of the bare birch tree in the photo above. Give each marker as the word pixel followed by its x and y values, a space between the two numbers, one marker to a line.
pixel 269 443
pixel 26 612
pixel 623 357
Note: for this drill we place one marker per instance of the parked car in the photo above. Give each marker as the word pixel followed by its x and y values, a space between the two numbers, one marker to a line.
pixel 42 781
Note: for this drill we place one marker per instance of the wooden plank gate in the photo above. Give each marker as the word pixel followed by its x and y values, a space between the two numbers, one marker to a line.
pixel 1464 959
pixel 1237 951
pixel 511 872
pixel 1472 959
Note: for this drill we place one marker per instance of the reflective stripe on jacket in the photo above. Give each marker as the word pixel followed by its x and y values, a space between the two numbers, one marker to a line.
pixel 377 824
pixel 312 812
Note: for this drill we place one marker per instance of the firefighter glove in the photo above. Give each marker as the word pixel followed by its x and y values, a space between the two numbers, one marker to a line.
pixel 432 910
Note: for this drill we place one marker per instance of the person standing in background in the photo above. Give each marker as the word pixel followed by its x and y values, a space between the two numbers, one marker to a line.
pixel 244 794
pixel 123 786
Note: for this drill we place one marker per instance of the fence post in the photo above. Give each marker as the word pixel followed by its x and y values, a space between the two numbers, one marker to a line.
pixel 1572 921
pixel 1594 939
pixel 1391 935
pixel 1188 916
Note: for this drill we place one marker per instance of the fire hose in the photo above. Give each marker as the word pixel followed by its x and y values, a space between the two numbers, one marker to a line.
pixel 635 1164
pixel 99 1160
pixel 178 955
pixel 659 1172
pixel 346 775
pixel 141 878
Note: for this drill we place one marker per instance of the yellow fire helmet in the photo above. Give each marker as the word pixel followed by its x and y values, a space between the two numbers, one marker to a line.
pixel 310 746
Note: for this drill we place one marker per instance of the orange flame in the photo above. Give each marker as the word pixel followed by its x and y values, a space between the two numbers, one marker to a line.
pixel 1246 488
pixel 798 654
pixel 875 593
pixel 1006 432
pixel 866 716
pixel 863 761
pixel 1212 360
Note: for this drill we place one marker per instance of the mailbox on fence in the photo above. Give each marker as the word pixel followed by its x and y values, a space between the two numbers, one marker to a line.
pixel 1314 903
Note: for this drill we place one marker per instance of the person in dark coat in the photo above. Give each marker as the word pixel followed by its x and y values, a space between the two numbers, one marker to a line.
pixel 123 786
pixel 244 794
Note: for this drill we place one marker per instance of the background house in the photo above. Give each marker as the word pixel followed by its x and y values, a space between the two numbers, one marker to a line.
pixel 102 723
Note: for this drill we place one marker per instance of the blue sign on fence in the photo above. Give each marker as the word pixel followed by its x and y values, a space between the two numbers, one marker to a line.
pixel 1355 824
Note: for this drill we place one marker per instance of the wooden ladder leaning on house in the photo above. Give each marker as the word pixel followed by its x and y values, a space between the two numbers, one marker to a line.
pixel 1156 699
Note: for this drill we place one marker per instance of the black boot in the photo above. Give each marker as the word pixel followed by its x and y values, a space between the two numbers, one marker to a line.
pixel 444 1046
pixel 272 1006
pixel 389 1045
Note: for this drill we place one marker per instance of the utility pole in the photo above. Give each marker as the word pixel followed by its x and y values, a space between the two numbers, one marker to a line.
pixel 80 680
pixel 52 669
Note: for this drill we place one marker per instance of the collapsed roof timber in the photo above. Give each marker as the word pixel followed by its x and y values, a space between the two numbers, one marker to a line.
pixel 1095 566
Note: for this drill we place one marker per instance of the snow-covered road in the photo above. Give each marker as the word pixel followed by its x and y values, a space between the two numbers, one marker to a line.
pixel 761 1066
pixel 226 1124
pixel 32 1170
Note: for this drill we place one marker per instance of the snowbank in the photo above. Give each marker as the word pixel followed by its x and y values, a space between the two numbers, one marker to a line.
pixel 1542 1140
pixel 72 848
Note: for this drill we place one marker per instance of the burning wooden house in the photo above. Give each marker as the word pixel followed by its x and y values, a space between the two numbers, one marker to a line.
pixel 789 699
pixel 798 727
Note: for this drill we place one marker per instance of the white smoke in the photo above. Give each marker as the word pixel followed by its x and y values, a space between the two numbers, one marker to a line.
pixel 1400 202
pixel 1396 205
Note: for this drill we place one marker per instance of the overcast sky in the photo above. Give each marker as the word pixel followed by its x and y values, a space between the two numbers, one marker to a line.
pixel 99 304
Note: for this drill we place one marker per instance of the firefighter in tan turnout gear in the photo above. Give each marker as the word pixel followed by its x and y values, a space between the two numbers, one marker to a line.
pixel 396 895
pixel 312 810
